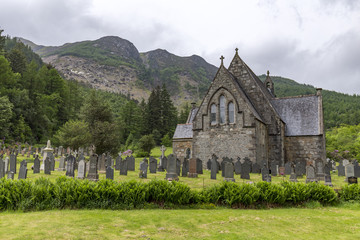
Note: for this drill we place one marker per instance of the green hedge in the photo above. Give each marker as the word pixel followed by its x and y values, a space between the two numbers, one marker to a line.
pixel 43 194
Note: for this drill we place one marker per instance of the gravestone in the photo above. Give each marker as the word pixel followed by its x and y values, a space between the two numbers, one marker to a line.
pixel 171 168
pixel 117 163
pixel 298 169
pixel 320 171
pixel 229 172
pixel 10 175
pixel 327 179
pixel 208 164
pixel 109 172
pixel 36 164
pixel 93 172
pixel 13 163
pixel 327 168
pixel 274 169
pixel 288 168
pixel 341 169
pixel 199 167
pixel 152 164
pixel 2 168
pixel 23 170
pixel 47 166
pixel 108 160
pixel 293 176
pixel 255 168
pixel 70 167
pixel 214 157
pixel 102 163
pixel 52 161
pixel 123 166
pixel 143 168
pixel 265 173
pixel 245 170
pixel 185 168
pixel 131 163
pixel 345 162
pixel 225 159
pixel 178 166
pixel 6 161
pixel 214 168
pixel 62 164
pixel 192 168
pixel 163 164
pixel 81 169
pixel 238 166
pixel 310 174
pixel 349 171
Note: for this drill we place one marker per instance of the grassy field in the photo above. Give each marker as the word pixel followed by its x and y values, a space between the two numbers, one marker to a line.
pixel 288 223
pixel 201 182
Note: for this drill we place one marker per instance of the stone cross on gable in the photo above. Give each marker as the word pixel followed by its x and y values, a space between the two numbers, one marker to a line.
pixel 222 60
pixel 162 149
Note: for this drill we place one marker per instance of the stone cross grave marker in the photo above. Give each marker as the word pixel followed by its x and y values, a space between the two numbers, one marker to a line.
pixel 310 174
pixel 109 172
pixel 171 168
pixel 229 172
pixel 81 169
pixel 23 170
pixel 143 168
pixel 152 164
pixel 93 171
pixel 238 166
pixel 162 149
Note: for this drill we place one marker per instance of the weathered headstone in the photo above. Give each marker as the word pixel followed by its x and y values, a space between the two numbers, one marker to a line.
pixel 208 164
pixel 62 164
pixel 185 168
pixel 93 172
pixel 229 172
pixel 225 159
pixel 23 170
pixel 255 168
pixel 70 166
pixel 349 170
pixel 293 175
pixel 131 163
pixel 171 168
pixel 36 164
pixel 152 164
pixel 265 173
pixel 47 166
pixel 274 169
pixel 214 168
pixel 6 162
pixel 108 160
pixel 341 169
pixel 320 171
pixel 102 163
pixel 245 170
pixel 327 168
pixel 238 166
pixel 81 169
pixel 52 161
pixel 13 163
pixel 123 167
pixel 199 167
pixel 143 168
pixel 10 175
pixel 178 166
pixel 192 168
pixel 298 169
pixel 2 168
pixel 163 164
pixel 328 180
pixel 288 168
pixel 310 174
pixel 117 163
pixel 109 172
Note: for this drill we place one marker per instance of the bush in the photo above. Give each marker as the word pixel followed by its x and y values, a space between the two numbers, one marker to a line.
pixel 271 193
pixel 350 193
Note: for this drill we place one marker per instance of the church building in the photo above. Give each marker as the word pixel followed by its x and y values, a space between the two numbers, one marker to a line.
pixel 240 116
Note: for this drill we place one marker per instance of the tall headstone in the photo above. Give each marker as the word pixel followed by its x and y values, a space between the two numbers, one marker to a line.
pixel 52 161
pixel 293 175
pixel 225 159
pixel 109 172
pixel 81 169
pixel 23 170
pixel 245 170
pixel 274 169
pixel 13 162
pixel 6 162
pixel 131 163
pixel 36 167
pixel 93 171
pixel 341 169
pixel 229 172
pixel 349 170
pixel 298 169
pixel 143 168
pixel 238 166
pixel 328 180
pixel 199 167
pixel 310 174
pixel 2 168
pixel 255 168
pixel 102 163
pixel 123 166
pixel 320 171
pixel 265 173
pixel 10 175
pixel 108 160
pixel 288 168
pixel 192 168
pixel 62 164
pixel 152 164
pixel 178 166
pixel 185 168
pixel 214 168
pixel 327 168
pixel 208 164
pixel 70 167
pixel 171 168
pixel 46 150
pixel 117 163
pixel 47 166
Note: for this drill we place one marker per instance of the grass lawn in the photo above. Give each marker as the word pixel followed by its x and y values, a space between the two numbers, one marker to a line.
pixel 341 222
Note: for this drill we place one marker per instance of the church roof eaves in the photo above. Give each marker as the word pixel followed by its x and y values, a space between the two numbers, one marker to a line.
pixel 183 131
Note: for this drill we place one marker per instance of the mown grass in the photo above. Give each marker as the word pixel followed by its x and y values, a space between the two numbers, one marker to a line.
pixel 342 222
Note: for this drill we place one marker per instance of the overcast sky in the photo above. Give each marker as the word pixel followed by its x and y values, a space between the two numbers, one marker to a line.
pixel 314 42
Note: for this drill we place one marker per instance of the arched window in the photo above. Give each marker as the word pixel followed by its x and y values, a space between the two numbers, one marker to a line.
pixel 222 109
pixel 231 112
pixel 213 114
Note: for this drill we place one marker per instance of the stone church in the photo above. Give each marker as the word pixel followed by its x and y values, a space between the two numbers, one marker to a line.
pixel 240 116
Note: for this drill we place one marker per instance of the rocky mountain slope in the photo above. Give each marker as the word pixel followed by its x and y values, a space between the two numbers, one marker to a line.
pixel 114 64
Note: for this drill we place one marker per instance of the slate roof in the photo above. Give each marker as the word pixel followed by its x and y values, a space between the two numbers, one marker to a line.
pixel 301 115
pixel 192 115
pixel 183 131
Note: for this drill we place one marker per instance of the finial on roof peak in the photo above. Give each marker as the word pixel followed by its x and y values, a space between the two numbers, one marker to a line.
pixel 222 59
pixel 236 50
pixel 268 72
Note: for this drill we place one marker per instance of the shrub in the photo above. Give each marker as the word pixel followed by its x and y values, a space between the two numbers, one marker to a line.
pixel 271 193
pixel 350 192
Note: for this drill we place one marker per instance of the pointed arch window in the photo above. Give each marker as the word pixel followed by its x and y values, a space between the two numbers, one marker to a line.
pixel 213 114
pixel 222 109
pixel 231 116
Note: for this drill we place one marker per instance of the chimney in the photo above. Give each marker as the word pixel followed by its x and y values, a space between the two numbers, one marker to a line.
pixel 318 91
pixel 193 105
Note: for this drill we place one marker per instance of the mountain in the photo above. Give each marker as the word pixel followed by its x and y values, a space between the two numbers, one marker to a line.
pixel 114 64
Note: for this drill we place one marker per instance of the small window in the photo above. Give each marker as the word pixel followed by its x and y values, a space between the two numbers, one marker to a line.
pixel 222 109
pixel 231 112
pixel 213 114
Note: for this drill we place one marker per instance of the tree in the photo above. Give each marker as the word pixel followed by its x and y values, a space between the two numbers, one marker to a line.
pixel 146 144
pixel 17 60
pixel 5 116
pixel 74 134
pixel 2 42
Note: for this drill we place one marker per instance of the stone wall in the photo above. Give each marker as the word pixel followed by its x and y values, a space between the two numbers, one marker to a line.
pixel 261 143
pixel 308 148
pixel 180 146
